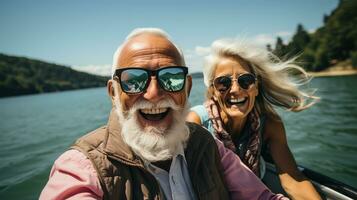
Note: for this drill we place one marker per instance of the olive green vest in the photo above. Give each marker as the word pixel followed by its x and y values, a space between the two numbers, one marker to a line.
pixel 122 174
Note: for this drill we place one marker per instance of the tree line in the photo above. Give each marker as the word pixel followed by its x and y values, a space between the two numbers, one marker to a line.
pixel 334 42
pixel 19 76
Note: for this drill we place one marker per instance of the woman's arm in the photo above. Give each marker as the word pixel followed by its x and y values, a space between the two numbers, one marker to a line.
pixel 240 181
pixel 293 181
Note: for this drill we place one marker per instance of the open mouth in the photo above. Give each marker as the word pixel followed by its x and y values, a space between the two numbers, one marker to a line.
pixel 238 101
pixel 154 114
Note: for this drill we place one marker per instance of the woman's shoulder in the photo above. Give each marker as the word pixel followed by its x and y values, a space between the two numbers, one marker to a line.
pixel 199 109
pixel 201 113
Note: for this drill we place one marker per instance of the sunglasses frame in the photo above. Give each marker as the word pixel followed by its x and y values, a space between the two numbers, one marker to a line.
pixel 234 79
pixel 118 72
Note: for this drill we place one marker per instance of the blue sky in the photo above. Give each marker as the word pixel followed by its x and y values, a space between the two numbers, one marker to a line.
pixel 85 33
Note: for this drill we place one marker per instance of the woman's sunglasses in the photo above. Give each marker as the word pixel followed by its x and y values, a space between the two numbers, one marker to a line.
pixel 224 83
pixel 135 80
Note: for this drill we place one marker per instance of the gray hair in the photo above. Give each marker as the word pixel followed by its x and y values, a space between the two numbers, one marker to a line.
pixel 141 31
pixel 277 86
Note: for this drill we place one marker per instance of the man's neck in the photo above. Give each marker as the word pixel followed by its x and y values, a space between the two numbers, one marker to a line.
pixel 164 164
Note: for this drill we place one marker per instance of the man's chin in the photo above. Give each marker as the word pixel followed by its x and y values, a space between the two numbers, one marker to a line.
pixel 154 130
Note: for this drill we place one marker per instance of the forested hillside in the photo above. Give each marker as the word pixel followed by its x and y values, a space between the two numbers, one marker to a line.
pixel 334 42
pixel 19 75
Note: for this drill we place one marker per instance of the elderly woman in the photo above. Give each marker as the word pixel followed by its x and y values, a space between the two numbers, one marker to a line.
pixel 245 84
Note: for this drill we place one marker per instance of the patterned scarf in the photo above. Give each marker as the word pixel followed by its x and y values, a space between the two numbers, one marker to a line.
pixel 251 154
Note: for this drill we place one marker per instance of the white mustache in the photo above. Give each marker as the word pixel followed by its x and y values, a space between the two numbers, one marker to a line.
pixel 162 104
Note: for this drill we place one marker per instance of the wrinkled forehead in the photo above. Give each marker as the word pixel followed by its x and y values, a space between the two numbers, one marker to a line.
pixel 146 47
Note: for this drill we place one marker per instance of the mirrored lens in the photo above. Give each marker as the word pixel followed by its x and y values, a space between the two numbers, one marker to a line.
pixel 246 80
pixel 223 83
pixel 133 80
pixel 172 79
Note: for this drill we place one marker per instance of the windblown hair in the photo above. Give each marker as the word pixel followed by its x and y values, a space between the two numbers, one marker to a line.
pixel 278 80
pixel 141 31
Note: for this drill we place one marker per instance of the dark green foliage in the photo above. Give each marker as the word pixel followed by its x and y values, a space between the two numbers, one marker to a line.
pixel 354 58
pixel 308 59
pixel 321 59
pixel 334 41
pixel 280 48
pixel 20 75
pixel 299 41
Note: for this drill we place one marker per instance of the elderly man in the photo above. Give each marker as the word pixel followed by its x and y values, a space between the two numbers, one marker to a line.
pixel 147 151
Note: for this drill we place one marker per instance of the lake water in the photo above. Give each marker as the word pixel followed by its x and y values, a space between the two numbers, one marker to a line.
pixel 36 129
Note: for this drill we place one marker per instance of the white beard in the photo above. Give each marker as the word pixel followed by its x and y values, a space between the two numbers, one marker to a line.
pixel 153 143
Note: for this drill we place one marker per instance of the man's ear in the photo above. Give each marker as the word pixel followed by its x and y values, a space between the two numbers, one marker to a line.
pixel 189 85
pixel 110 89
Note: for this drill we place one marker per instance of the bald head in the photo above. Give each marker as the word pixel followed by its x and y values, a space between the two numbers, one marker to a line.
pixel 147 43
pixel 149 50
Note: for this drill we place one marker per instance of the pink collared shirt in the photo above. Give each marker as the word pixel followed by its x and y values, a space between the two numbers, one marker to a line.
pixel 74 177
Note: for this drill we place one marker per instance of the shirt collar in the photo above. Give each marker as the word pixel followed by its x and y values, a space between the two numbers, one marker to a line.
pixel 180 153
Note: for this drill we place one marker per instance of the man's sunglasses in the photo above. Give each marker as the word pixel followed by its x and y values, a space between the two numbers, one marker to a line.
pixel 136 80
pixel 224 83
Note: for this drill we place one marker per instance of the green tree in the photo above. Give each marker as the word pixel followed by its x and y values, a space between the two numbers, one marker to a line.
pixel 341 30
pixel 321 59
pixel 354 59
pixel 308 59
pixel 299 41
pixel 280 48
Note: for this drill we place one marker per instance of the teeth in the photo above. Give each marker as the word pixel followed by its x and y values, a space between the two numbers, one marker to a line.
pixel 154 110
pixel 239 100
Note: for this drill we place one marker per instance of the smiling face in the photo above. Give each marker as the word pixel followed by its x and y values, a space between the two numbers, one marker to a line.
pixel 152 52
pixel 236 102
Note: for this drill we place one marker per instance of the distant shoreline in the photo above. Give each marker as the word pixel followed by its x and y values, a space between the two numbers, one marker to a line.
pixel 335 71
